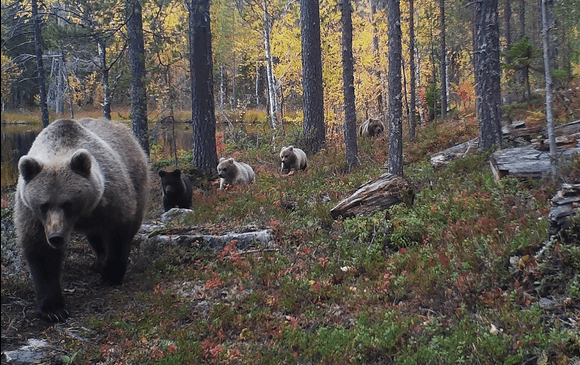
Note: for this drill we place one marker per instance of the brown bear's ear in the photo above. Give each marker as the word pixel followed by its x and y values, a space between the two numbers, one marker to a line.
pixel 177 172
pixel 161 173
pixel 29 167
pixel 80 162
pixel 291 148
pixel 222 159
pixel 231 160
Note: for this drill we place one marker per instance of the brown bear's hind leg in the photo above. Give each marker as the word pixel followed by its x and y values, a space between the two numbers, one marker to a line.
pixel 96 242
pixel 115 264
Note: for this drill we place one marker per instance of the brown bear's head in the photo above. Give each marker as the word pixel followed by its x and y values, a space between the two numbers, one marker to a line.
pixel 288 156
pixel 227 168
pixel 60 192
pixel 171 182
pixel 376 127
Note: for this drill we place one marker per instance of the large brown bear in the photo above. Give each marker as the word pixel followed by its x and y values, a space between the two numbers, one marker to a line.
pixel 232 172
pixel 90 176
pixel 371 127
pixel 292 159
pixel 177 189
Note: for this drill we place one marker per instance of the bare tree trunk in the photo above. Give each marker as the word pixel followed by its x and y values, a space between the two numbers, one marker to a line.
pixel 395 160
pixel 487 69
pixel 314 126
pixel 272 99
pixel 257 91
pixel 443 59
pixel 508 25
pixel 39 63
pixel 348 86
pixel 412 70
pixel 548 76
pixel 137 66
pixel 102 51
pixel 202 98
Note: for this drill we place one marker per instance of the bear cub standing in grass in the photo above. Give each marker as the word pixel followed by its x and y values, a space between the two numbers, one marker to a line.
pixel 292 159
pixel 177 189
pixel 232 172
pixel 87 175
pixel 371 127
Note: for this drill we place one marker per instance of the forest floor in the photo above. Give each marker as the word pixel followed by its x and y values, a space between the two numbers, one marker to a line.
pixel 454 278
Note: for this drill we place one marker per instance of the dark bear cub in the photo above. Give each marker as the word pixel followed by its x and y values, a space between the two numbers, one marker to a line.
pixel 177 190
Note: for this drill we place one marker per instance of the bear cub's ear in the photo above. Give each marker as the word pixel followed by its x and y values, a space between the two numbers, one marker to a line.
pixel 176 173
pixel 161 173
pixel 81 162
pixel 29 167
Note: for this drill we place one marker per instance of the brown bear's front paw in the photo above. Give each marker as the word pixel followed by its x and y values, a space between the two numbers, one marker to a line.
pixel 52 312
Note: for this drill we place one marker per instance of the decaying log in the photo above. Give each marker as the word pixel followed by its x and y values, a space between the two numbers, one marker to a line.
pixel 525 162
pixel 516 134
pixel 374 195
pixel 444 157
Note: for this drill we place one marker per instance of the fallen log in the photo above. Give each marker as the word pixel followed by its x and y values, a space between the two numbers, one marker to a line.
pixel 375 195
pixel 525 162
pixel 444 157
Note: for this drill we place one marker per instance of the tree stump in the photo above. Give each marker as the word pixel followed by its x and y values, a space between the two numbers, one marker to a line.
pixel 375 195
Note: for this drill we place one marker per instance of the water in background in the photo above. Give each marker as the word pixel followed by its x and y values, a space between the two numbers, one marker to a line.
pixel 17 140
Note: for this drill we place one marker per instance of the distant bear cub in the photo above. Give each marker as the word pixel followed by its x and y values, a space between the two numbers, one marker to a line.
pixel 232 172
pixel 371 127
pixel 177 189
pixel 292 159
pixel 89 176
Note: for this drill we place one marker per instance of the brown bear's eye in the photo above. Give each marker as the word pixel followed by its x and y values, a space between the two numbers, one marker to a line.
pixel 67 206
pixel 44 208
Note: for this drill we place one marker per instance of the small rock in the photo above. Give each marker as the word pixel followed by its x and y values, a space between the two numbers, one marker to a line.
pixel 546 303
pixel 27 354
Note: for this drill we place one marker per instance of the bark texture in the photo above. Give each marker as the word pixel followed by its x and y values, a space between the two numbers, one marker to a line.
pixel 202 98
pixel 314 126
pixel 487 69
pixel 395 161
pixel 137 66
pixel 348 86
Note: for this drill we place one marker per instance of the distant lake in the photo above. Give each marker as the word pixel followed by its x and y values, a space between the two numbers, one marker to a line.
pixel 17 140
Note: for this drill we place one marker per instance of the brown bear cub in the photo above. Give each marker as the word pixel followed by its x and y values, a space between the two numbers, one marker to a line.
pixel 232 172
pixel 371 127
pixel 177 189
pixel 292 159
pixel 89 176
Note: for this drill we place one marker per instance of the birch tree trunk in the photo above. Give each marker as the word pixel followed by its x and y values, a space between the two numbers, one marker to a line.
pixel 102 51
pixel 272 99
pixel 40 65
pixel 548 76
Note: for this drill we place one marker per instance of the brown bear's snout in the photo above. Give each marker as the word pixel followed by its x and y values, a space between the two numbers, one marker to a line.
pixel 54 229
pixel 56 240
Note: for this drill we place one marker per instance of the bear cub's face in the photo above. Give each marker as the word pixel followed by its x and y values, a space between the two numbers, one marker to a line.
pixel 226 168
pixel 171 182
pixel 376 127
pixel 288 156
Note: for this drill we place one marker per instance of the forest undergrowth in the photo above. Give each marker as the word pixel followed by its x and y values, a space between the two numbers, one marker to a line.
pixel 453 278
